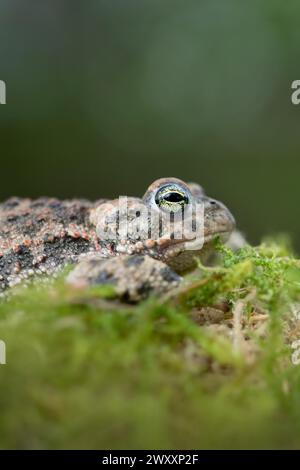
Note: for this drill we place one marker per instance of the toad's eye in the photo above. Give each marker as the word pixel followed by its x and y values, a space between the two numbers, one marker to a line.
pixel 171 198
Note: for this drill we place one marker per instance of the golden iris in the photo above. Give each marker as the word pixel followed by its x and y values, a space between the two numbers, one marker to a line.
pixel 172 198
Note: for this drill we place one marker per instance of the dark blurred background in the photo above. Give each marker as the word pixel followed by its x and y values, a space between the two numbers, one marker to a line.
pixel 104 96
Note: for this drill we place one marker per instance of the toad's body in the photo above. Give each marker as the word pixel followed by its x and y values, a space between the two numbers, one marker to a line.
pixel 42 236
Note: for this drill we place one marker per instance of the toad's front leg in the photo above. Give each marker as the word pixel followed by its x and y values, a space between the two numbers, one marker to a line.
pixel 134 277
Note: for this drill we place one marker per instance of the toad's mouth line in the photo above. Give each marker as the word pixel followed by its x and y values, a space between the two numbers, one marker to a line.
pixel 194 244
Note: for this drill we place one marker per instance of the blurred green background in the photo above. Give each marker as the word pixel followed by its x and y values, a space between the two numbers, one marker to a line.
pixel 104 96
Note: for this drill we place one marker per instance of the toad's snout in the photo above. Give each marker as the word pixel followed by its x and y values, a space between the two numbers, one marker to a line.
pixel 218 219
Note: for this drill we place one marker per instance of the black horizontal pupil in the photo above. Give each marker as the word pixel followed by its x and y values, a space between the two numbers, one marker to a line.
pixel 167 197
pixel 174 197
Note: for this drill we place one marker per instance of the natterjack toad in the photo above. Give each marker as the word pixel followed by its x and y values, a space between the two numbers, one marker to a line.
pixel 141 246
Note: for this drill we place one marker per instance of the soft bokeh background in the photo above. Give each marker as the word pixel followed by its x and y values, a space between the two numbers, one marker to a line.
pixel 105 96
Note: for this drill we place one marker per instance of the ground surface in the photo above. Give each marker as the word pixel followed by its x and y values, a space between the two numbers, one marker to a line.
pixel 209 367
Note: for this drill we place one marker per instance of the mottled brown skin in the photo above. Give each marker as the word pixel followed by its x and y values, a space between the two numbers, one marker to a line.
pixel 42 236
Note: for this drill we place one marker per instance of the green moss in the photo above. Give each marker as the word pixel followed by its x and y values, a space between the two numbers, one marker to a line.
pixel 85 372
